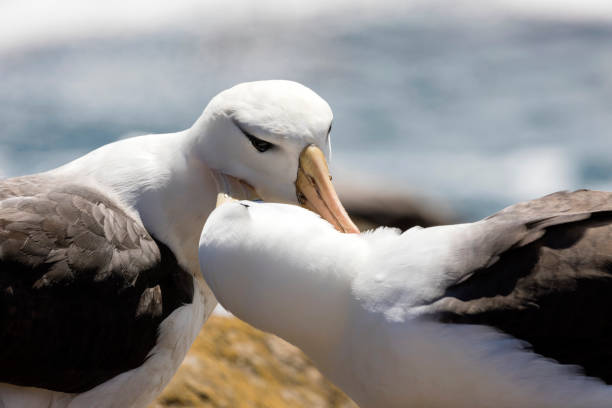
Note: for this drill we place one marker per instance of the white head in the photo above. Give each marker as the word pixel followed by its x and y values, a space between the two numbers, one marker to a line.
pixel 281 268
pixel 275 136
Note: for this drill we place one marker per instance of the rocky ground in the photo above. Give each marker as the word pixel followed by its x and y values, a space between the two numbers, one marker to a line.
pixel 233 365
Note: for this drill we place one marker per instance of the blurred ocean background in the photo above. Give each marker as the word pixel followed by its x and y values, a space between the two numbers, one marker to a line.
pixel 475 104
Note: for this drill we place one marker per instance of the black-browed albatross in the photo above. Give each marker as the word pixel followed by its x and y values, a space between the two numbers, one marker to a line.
pixel 510 311
pixel 101 293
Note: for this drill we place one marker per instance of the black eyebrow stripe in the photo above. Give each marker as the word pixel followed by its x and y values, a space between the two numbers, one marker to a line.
pixel 249 135
pixel 238 126
pixel 260 145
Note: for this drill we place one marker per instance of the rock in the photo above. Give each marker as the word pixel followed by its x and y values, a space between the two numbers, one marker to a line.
pixel 373 204
pixel 233 365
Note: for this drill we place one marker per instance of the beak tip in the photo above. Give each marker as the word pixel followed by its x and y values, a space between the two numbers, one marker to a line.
pixel 315 191
pixel 353 230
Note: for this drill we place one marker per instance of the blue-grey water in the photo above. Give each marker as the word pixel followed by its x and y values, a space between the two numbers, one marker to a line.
pixel 476 111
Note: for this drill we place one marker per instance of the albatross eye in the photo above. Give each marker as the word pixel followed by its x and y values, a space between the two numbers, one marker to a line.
pixel 260 145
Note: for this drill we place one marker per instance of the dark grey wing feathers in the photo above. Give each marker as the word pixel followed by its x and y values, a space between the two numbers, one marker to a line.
pixel 552 286
pixel 483 242
pixel 83 286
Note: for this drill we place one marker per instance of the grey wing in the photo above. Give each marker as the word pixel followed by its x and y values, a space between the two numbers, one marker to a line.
pixel 83 286
pixel 543 274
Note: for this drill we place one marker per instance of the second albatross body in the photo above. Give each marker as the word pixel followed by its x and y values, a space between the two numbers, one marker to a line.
pixel 510 311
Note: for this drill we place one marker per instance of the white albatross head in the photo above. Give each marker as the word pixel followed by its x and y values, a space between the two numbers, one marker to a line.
pixel 275 137
pixel 281 268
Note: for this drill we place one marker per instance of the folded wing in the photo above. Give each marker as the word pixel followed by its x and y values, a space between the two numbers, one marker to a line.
pixel 83 286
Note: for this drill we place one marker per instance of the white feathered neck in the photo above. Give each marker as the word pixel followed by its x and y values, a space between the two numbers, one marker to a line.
pixel 159 179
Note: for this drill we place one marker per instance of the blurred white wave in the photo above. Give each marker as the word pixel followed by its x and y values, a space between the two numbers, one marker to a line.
pixel 478 184
pixel 25 23
pixel 566 9
pixel 34 23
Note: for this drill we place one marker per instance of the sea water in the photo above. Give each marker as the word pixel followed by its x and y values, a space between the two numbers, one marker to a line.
pixel 478 109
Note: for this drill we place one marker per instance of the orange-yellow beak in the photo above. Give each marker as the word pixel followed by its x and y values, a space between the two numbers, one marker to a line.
pixel 315 191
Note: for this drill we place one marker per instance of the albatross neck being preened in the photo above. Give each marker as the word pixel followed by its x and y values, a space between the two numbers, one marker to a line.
pixel 510 311
pixel 101 293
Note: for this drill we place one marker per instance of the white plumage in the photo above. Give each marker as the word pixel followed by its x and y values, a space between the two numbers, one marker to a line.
pixel 252 138
pixel 371 309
